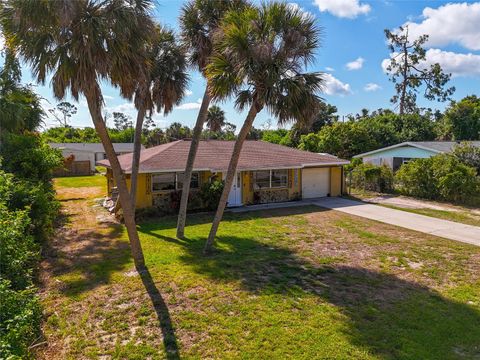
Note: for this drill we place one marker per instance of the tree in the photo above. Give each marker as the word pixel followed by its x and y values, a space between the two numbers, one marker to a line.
pixel 82 43
pixel 462 119
pixel 260 58
pixel 162 86
pixel 408 70
pixel 121 121
pixel 66 109
pixel 177 131
pixel 199 22
pixel 325 116
pixel 215 118
pixel 20 107
pixel 468 154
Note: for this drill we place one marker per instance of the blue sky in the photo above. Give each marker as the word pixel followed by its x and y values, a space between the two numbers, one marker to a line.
pixel 351 55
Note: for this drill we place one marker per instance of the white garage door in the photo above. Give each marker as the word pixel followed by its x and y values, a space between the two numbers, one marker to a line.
pixel 315 182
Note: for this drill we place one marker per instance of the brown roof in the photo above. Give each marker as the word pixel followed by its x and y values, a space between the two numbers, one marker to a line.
pixel 214 155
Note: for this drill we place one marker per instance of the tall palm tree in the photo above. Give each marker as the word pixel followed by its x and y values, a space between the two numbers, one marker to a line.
pixel 260 58
pixel 163 85
pixel 199 21
pixel 215 118
pixel 81 43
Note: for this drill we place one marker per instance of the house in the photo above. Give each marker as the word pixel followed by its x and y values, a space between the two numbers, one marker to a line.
pixel 396 155
pixel 266 173
pixel 83 156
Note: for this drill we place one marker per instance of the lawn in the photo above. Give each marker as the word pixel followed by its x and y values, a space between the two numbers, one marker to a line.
pixel 288 283
pixel 97 180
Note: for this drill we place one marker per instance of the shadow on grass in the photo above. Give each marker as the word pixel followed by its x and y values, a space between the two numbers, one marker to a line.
pixel 391 317
pixel 163 315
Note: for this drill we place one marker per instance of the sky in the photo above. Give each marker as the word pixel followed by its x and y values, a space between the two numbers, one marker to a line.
pixel 352 57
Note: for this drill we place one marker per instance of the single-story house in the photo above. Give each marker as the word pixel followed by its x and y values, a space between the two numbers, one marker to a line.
pixel 266 172
pixel 396 155
pixel 83 156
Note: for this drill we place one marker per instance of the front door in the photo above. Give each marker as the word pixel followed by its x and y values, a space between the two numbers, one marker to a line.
pixel 235 195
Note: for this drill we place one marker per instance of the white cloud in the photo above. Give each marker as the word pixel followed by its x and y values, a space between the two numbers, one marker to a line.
pixel 295 6
pixel 448 24
pixel 123 108
pixel 333 86
pixel 108 97
pixel 343 8
pixel 453 63
pixel 328 68
pixel 188 92
pixel 372 87
pixel 190 105
pixel 2 41
pixel 356 64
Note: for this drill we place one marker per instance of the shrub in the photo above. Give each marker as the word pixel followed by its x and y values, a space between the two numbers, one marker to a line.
pixel 372 177
pixel 210 194
pixel 468 154
pixel 19 320
pixel 19 251
pixel 28 157
pixel 441 177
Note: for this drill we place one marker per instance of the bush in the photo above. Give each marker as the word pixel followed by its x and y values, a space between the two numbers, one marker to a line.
pixel 28 157
pixel 441 177
pixel 373 178
pixel 20 317
pixel 38 198
pixel 210 194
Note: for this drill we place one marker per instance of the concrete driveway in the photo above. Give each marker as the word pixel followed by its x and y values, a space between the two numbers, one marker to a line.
pixel 443 228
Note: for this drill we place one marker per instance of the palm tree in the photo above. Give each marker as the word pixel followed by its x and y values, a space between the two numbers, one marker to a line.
pixel 260 58
pixel 162 87
pixel 199 21
pixel 81 43
pixel 215 118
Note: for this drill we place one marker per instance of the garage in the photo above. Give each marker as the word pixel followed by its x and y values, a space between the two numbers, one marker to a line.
pixel 315 182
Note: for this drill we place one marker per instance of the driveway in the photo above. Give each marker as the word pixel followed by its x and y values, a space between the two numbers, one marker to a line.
pixel 443 228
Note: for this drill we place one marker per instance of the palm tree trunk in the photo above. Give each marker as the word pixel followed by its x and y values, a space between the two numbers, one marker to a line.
pixel 137 147
pixel 232 169
pixel 128 214
pixel 197 133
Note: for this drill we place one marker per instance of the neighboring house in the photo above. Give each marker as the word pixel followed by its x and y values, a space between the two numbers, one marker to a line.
pixel 396 155
pixel 266 173
pixel 83 156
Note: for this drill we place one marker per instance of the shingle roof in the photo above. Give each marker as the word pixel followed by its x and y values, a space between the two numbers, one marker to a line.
pixel 214 155
pixel 93 147
pixel 434 146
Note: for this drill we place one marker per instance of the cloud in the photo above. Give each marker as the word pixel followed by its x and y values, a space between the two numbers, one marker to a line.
pixel 123 108
pixel 457 64
pixel 188 92
pixel 328 68
pixel 108 97
pixel 295 6
pixel 448 24
pixel 343 8
pixel 190 105
pixel 356 64
pixel 333 86
pixel 372 87
pixel 2 41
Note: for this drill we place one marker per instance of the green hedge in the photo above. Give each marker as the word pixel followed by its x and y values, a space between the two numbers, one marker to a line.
pixel 27 212
pixel 373 178
pixel 441 177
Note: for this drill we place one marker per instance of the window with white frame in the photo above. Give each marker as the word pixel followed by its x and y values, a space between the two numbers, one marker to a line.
pixel 266 179
pixel 172 181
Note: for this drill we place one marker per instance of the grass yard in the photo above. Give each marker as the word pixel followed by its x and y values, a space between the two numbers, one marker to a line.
pixel 288 283
pixel 96 180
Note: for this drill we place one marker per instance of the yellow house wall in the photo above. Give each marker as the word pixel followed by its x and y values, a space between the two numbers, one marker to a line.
pixel 335 181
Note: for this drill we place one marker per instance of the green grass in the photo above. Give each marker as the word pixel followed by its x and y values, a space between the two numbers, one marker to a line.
pixel 81 181
pixel 295 283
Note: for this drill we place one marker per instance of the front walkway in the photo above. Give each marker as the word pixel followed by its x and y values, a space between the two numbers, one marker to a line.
pixel 443 228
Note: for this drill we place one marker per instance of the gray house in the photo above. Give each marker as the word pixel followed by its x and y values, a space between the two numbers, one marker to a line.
pixel 85 155
pixel 396 155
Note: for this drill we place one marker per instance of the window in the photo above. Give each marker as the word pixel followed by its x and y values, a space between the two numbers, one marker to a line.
pixel 173 181
pixel 261 179
pixel 406 160
pixel 279 178
pixel 270 179
pixel 163 182
pixel 194 183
